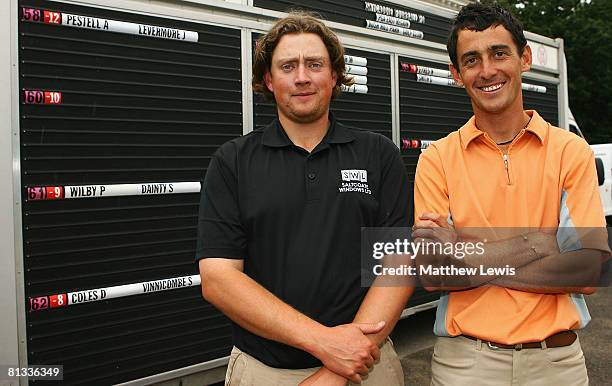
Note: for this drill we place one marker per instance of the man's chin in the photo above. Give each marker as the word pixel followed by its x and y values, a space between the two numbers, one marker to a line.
pixel 496 108
pixel 306 116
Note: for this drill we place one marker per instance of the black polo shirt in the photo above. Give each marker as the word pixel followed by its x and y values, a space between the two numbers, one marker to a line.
pixel 295 218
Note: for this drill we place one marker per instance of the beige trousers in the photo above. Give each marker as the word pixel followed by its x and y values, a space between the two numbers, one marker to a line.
pixel 461 361
pixel 244 370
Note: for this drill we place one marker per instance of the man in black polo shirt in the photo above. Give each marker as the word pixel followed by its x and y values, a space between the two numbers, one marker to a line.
pixel 280 220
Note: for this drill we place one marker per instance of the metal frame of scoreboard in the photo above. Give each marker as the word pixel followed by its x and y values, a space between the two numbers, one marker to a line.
pixel 392 42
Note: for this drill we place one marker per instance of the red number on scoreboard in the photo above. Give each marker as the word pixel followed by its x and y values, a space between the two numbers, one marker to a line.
pixel 51 17
pixel 54 192
pixel 35 193
pixel 45 193
pixel 53 98
pixel 59 300
pixel 40 303
pixel 33 97
pixel 30 14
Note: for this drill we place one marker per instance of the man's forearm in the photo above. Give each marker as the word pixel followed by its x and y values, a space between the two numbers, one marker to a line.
pixel 383 303
pixel 256 309
pixel 515 252
pixel 569 272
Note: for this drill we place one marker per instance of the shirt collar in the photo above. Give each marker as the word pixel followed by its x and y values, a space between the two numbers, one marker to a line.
pixel 275 136
pixel 537 126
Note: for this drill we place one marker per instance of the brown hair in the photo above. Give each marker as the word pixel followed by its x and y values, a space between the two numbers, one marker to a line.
pixel 297 22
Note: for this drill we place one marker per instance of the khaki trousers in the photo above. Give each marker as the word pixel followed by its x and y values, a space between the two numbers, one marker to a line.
pixel 461 361
pixel 244 370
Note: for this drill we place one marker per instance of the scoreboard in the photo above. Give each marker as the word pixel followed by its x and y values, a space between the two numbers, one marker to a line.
pixel 119 112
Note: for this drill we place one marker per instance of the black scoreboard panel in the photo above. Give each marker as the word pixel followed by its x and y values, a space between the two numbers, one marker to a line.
pixel 353 12
pixel 133 109
pixel 428 111
pixel 370 111
pixel 546 104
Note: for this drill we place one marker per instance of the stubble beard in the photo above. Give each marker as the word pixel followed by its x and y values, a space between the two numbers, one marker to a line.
pixel 312 115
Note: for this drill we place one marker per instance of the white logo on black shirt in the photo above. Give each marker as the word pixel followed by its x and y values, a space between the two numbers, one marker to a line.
pixel 354 180
pixel 358 175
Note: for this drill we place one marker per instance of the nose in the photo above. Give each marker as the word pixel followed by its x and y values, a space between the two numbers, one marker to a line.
pixel 301 75
pixel 488 68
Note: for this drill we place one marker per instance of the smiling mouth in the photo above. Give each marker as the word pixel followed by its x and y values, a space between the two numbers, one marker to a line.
pixel 493 87
pixel 304 94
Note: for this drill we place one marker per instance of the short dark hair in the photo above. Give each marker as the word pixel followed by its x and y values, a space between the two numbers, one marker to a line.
pixel 478 17
pixel 295 23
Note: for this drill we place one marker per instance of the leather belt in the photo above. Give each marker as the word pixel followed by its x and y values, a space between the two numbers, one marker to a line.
pixel 560 339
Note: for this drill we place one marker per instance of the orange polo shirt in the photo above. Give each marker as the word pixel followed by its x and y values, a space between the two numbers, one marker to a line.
pixel 550 181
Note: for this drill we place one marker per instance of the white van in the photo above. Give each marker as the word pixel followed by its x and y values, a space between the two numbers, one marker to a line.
pixel 603 163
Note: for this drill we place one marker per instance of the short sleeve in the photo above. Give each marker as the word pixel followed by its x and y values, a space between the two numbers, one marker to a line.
pixel 430 188
pixel 394 198
pixel 220 229
pixel 580 202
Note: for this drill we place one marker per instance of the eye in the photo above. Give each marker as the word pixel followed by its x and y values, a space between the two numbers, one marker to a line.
pixel 500 54
pixel 287 67
pixel 316 65
pixel 469 61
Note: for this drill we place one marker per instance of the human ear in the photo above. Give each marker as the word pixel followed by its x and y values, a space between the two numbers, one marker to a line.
pixel 268 81
pixel 456 75
pixel 526 59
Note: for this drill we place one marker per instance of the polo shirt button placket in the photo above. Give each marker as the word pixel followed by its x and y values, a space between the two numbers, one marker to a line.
pixel 313 190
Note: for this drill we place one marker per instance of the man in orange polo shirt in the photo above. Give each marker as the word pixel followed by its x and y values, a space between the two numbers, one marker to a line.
pixel 507 167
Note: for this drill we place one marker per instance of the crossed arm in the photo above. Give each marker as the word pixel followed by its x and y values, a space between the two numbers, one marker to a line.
pixel 347 351
pixel 539 266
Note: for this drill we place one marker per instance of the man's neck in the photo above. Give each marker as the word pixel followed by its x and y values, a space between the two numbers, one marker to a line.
pixel 502 127
pixel 305 135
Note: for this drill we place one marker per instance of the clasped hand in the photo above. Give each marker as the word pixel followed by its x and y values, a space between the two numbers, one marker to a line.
pixel 433 227
pixel 347 351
